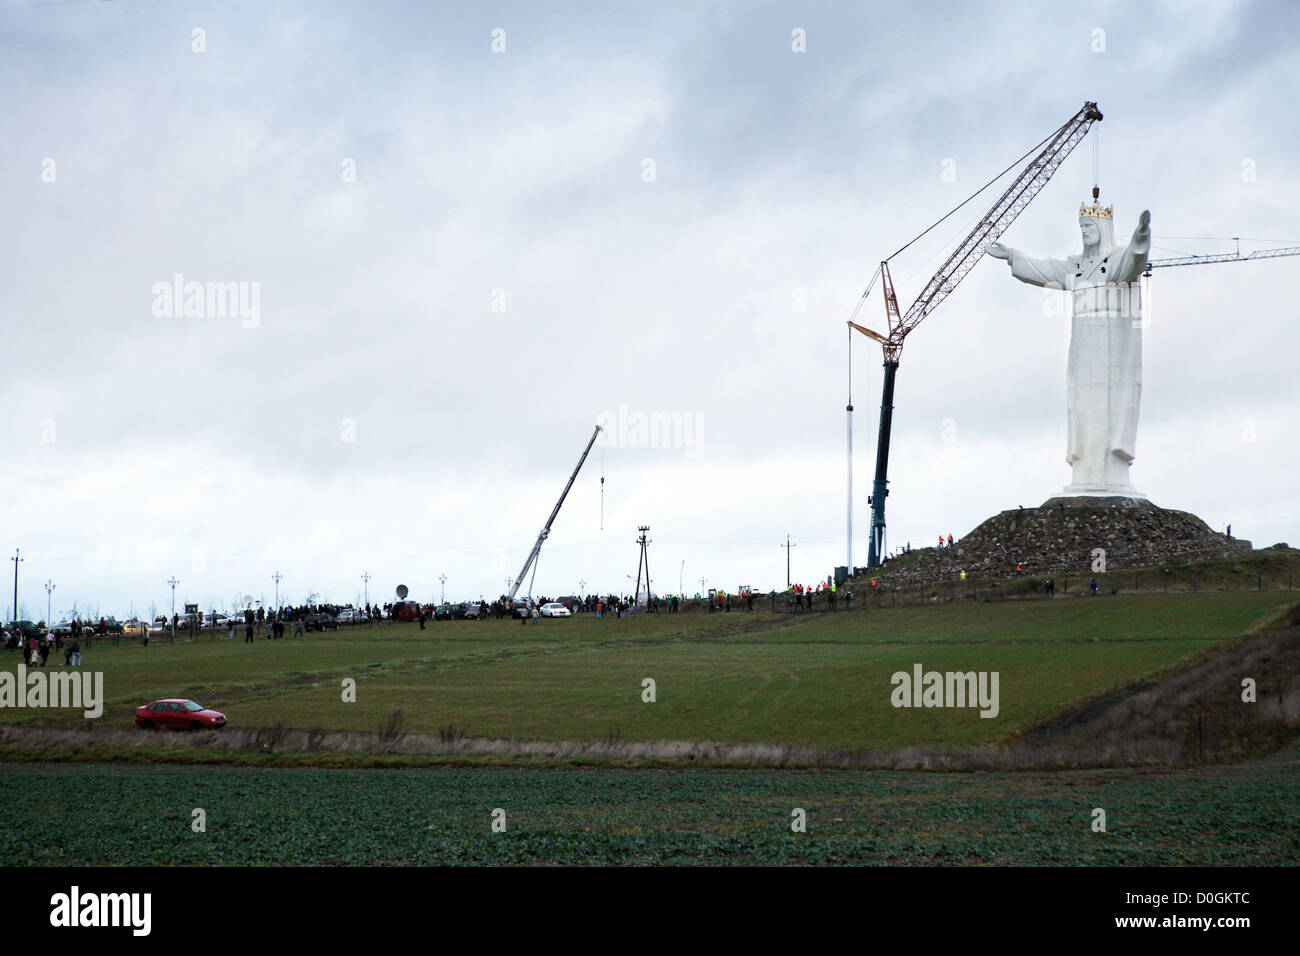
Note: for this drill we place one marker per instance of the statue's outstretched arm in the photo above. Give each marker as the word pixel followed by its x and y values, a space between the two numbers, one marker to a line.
pixel 1142 234
pixel 1042 272
pixel 1134 261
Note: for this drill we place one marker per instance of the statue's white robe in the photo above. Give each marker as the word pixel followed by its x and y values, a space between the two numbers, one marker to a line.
pixel 1104 372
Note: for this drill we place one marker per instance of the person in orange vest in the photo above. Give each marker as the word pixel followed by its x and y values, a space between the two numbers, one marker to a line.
pixel 1019 569
pixel 941 541
pixel 950 541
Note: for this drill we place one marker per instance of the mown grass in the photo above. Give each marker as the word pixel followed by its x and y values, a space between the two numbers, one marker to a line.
pixel 818 679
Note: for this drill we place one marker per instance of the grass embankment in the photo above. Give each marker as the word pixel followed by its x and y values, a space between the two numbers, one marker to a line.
pixel 817 680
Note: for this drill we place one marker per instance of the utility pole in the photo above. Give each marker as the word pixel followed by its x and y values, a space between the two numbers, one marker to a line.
pixel 442 579
pixel 643 559
pixel 787 547
pixel 173 582
pixel 277 577
pixel 366 577
pixel 582 589
pixel 17 561
pixel 681 572
pixel 49 596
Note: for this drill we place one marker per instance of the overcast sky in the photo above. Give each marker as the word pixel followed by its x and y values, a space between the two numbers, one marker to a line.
pixel 464 257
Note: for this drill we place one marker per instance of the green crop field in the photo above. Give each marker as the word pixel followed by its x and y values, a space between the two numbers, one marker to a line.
pixel 817 679
pixel 88 814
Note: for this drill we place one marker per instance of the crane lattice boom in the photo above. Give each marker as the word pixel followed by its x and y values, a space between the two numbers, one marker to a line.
pixel 1224 257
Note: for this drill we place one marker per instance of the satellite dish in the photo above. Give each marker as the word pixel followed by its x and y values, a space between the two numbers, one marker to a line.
pixel 402 592
pixel 248 600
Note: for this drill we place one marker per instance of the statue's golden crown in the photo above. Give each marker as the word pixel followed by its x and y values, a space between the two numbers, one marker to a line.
pixel 1095 211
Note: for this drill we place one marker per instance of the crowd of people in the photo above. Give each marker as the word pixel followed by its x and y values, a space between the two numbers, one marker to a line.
pixel 38 650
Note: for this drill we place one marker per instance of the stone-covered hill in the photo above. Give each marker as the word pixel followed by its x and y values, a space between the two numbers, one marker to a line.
pixel 1060 537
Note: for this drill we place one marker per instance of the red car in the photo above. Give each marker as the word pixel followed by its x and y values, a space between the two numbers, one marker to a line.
pixel 406 610
pixel 177 713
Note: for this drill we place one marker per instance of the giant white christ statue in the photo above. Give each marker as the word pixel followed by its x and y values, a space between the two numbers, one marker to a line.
pixel 1104 373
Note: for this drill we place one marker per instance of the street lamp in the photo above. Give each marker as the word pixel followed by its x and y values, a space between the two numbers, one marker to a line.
pixel 277 577
pixel 442 579
pixel 366 577
pixel 49 595
pixel 173 582
pixel 17 561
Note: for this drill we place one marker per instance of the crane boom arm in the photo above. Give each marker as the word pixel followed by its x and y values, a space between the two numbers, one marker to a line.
pixel 537 548
pixel 1224 257
pixel 996 221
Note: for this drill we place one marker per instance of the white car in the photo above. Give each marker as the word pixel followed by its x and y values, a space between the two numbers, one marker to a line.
pixel 555 610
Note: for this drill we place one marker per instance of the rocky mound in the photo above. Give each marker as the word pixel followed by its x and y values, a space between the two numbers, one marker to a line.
pixel 1062 536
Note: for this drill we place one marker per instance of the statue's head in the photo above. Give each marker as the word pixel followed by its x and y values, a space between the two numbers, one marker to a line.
pixel 1097 225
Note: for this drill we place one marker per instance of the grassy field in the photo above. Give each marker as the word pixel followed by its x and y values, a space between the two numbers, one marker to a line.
pixel 88 814
pixel 819 679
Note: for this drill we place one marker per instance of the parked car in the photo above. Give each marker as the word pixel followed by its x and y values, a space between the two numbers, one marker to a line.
pixel 555 609
pixel 178 714
pixel 406 611
pixel 348 616
pixel 320 622
pixel 62 629
pixel 471 611
pixel 444 612
pixel 521 608
pixel 135 627
pixel 27 629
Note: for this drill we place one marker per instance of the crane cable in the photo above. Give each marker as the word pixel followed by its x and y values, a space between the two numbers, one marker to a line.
pixel 1013 165
pixel 1037 146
